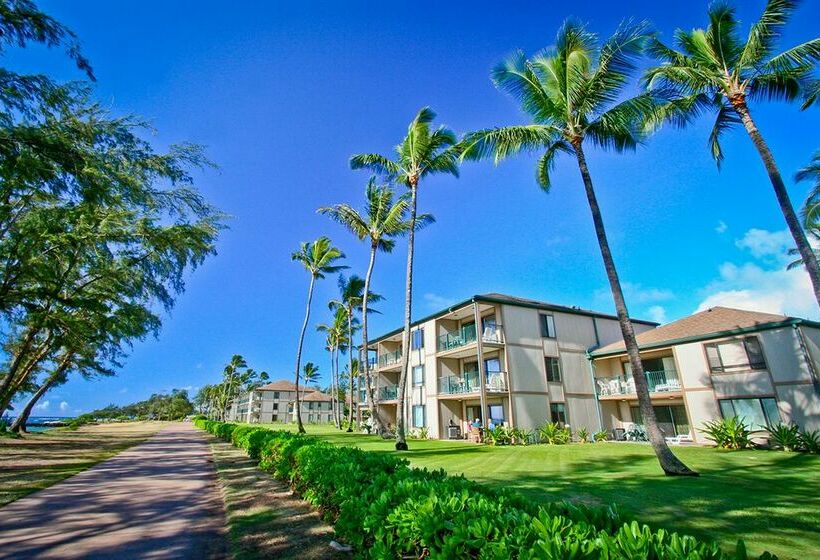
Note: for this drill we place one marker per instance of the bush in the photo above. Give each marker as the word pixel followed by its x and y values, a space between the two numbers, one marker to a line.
pixel 81 420
pixel 602 435
pixel 810 441
pixel 554 434
pixel 583 435
pixel 784 436
pixel 385 509
pixel 728 433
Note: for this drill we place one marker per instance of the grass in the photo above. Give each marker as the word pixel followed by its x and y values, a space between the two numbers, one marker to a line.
pixel 769 499
pixel 264 519
pixel 38 460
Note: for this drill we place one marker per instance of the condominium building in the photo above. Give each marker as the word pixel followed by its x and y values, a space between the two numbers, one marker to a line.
pixel 274 402
pixel 717 363
pixel 520 362
pixel 496 358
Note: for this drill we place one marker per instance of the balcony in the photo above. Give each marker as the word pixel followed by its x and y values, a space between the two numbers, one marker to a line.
pixel 450 341
pixel 664 381
pixel 390 358
pixel 388 393
pixel 469 383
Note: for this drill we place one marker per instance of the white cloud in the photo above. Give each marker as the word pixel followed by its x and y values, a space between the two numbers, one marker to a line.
pixel 42 406
pixel 199 365
pixel 764 283
pixel 657 313
pixel 721 227
pixel 63 406
pixel 762 243
pixel 123 390
pixel 436 302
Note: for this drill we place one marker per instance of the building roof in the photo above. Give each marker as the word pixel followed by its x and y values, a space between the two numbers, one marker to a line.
pixel 279 385
pixel 712 323
pixel 494 297
pixel 316 396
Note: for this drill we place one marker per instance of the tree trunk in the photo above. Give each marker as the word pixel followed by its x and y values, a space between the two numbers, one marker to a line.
pixel 401 438
pixel 300 426
pixel 670 464
pixel 786 207
pixel 21 372
pixel 350 365
pixel 339 404
pixel 19 424
pixel 333 392
pixel 376 420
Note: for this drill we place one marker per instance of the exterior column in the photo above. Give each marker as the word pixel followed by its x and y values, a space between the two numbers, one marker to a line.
pixel 482 374
pixel 500 315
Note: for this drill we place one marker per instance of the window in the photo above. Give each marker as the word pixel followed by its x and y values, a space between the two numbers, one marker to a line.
pixel 418 416
pixel 276 406
pixel 417 339
pixel 275 418
pixel 553 370
pixel 276 395
pixel 496 414
pixel 418 375
pixel 558 413
pixel 737 354
pixel 758 414
pixel 547 326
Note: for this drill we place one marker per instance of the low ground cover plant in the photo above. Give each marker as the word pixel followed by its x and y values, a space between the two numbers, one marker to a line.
pixel 386 509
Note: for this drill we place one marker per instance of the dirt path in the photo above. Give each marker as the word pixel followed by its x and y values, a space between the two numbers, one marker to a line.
pixel 158 499
pixel 266 520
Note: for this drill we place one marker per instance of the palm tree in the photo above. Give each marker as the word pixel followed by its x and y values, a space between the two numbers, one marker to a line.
pixel 571 92
pixel 336 340
pixel 351 293
pixel 422 152
pixel 228 385
pixel 318 258
pixel 811 209
pixel 716 69
pixel 383 220
pixel 310 374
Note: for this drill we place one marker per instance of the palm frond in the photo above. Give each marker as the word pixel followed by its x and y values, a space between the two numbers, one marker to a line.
pixel 726 118
pixel 765 32
pixel 500 143
pixel 722 34
pixel 546 163
pixel 348 217
pixel 622 126
pixel 783 85
pixel 811 93
pixel 803 57
pixel 516 77
pixel 375 162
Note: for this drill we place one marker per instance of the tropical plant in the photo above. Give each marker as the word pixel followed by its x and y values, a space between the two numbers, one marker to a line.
pixel 319 258
pixel 310 374
pixel 811 208
pixel 810 441
pixel 583 435
pixel 337 343
pixel 383 220
pixel 500 435
pixel 636 432
pixel 728 433
pixel 717 69
pixel 351 299
pixel 571 91
pixel 554 433
pixel 784 436
pixel 601 435
pixel 422 152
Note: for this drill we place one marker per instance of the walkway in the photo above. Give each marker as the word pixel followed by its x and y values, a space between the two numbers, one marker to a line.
pixel 158 499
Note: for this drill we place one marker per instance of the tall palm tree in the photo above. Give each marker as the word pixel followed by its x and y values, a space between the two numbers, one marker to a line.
pixel 572 93
pixel 715 68
pixel 228 381
pixel 318 258
pixel 310 374
pixel 384 219
pixel 811 209
pixel 337 343
pixel 351 292
pixel 422 152
pixel 330 346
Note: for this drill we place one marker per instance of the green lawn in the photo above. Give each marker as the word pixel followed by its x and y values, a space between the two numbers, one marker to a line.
pixel 769 499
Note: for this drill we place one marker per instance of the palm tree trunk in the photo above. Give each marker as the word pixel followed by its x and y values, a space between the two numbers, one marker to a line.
pixel 300 426
pixel 337 416
pixel 401 438
pixel 350 366
pixel 19 424
pixel 670 464
pixel 376 420
pixel 786 207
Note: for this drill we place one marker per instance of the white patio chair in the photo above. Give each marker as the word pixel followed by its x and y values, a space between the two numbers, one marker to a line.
pixel 603 388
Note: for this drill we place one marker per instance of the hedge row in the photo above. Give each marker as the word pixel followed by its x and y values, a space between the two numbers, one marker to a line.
pixel 385 509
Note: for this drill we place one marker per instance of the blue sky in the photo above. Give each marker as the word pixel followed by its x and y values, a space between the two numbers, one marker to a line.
pixel 282 95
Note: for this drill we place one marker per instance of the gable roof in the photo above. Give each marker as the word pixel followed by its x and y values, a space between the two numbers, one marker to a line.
pixel 495 297
pixel 279 385
pixel 316 396
pixel 711 323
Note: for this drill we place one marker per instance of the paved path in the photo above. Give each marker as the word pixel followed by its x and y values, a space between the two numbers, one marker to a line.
pixel 158 499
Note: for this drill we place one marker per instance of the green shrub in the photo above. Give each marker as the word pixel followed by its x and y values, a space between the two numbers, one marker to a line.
pixel 385 509
pixel 601 435
pixel 784 436
pixel 554 434
pixel 728 433
pixel 810 441
pixel 583 435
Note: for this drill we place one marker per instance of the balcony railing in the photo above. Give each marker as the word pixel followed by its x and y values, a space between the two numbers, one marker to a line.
pixel 662 381
pixel 388 393
pixel 492 334
pixel 469 383
pixel 389 358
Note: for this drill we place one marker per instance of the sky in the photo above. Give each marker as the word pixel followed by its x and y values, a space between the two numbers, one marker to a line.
pixel 281 94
